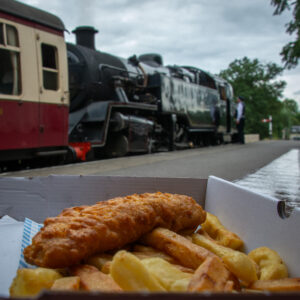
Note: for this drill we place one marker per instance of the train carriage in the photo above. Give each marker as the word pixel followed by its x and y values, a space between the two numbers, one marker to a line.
pixel 33 83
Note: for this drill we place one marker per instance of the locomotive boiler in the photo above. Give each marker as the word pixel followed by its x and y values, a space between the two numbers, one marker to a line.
pixel 75 102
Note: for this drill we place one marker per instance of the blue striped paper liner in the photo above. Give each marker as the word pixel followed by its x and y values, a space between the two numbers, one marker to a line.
pixel 29 231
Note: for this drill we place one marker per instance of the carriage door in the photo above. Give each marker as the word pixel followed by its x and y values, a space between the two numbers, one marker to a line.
pixel 53 107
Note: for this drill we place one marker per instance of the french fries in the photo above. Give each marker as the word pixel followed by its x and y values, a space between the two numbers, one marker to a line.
pixel 184 269
pixel 237 262
pixel 29 282
pixel 142 251
pixel 99 260
pixel 217 231
pixel 277 285
pixel 91 279
pixel 212 275
pixel 106 268
pixel 270 263
pixel 71 283
pixel 180 285
pixel 177 246
pixel 166 261
pixel 166 273
pixel 131 275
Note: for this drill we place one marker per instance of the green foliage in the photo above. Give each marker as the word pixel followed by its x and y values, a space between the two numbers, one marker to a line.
pixel 288 116
pixel 257 83
pixel 291 106
pixel 291 51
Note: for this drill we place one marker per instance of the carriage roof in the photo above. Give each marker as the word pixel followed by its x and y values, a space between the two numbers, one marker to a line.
pixel 32 14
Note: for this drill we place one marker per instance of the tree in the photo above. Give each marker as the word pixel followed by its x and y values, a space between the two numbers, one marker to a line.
pixel 256 82
pixel 293 109
pixel 291 105
pixel 290 52
pixel 289 116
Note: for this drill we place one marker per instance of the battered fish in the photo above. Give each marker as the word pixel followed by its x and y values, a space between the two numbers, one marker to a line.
pixel 79 232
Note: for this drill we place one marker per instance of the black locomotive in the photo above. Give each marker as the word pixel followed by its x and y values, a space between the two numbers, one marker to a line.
pixel 121 106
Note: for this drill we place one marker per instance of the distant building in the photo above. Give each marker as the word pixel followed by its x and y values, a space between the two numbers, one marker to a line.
pixel 295 132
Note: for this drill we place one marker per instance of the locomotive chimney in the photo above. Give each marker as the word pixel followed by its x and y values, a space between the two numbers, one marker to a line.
pixel 85 36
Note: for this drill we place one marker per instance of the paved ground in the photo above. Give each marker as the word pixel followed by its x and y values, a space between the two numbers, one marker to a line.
pixel 230 162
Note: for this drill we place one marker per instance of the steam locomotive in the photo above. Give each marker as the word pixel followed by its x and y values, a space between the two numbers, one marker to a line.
pixel 71 101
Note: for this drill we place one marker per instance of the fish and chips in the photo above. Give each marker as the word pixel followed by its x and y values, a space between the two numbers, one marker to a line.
pixel 147 242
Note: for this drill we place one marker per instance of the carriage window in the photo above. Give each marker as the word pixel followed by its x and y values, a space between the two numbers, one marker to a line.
pixel 12 36
pixel 10 75
pixel 50 67
pixel 1 34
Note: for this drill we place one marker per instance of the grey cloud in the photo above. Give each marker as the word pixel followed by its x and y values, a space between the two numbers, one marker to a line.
pixel 208 34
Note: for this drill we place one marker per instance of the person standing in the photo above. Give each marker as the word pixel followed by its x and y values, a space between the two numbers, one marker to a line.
pixel 240 119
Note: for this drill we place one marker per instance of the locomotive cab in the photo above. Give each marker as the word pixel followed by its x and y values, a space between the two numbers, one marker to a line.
pixel 227 98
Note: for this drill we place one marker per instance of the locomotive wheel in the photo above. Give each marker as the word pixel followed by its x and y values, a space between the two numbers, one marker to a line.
pixel 221 139
pixel 182 140
pixel 152 145
pixel 70 156
pixel 90 156
pixel 116 146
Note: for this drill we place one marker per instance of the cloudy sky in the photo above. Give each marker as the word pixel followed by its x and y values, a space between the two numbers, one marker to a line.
pixel 208 34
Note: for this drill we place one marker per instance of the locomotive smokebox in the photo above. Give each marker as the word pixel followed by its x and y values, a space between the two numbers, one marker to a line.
pixel 85 36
